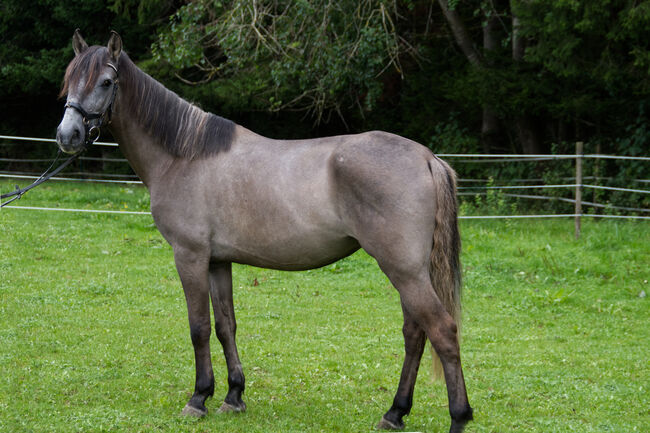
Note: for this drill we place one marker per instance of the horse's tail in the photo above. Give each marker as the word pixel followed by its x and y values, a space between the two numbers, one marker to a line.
pixel 445 270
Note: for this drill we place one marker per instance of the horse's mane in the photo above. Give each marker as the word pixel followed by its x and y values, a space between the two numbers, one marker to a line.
pixel 181 128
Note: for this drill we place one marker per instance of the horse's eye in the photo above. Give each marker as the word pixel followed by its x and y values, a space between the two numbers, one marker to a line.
pixel 107 83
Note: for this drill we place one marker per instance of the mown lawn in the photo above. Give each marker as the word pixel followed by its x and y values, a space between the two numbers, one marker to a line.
pixel 94 334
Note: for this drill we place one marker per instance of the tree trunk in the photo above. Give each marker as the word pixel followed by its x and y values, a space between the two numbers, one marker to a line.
pixel 525 125
pixel 460 34
pixel 489 130
pixel 490 123
pixel 518 46
pixel 528 135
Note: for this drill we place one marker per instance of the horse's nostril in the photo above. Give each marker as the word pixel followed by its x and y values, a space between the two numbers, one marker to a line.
pixel 76 134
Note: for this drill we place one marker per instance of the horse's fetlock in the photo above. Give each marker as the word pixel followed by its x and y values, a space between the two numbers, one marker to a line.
pixel 204 385
pixel 403 404
pixel 463 413
pixel 236 379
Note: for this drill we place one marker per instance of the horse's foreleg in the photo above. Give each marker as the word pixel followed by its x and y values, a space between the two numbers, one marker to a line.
pixel 414 339
pixel 193 271
pixel 226 326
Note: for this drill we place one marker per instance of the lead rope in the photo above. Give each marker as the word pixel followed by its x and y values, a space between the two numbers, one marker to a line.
pixel 18 192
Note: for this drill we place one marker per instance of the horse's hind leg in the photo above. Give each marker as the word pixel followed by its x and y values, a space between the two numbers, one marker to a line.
pixel 424 314
pixel 193 271
pixel 423 305
pixel 224 318
pixel 414 339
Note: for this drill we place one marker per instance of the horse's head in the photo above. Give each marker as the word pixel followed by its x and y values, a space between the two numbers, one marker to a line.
pixel 90 85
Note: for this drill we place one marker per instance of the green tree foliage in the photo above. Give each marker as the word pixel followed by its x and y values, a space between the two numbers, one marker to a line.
pixel 574 70
pixel 318 56
pixel 445 72
pixel 593 58
pixel 551 71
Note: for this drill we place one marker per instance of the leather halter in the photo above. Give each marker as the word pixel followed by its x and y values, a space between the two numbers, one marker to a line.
pixel 93 132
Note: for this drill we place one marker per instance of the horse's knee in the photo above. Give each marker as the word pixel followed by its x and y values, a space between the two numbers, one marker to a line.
pixel 410 330
pixel 225 328
pixel 199 333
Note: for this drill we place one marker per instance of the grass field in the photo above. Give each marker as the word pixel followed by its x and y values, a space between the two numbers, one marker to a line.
pixel 94 334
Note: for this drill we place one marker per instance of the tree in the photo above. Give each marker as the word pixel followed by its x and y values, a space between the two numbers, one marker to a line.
pixel 569 63
pixel 319 56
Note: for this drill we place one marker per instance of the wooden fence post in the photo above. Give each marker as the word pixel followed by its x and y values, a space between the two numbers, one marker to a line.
pixel 578 209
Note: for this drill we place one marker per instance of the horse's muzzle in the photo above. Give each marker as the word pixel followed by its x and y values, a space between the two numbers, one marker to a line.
pixel 70 138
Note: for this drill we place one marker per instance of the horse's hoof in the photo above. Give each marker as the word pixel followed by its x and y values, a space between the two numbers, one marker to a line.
pixel 385 424
pixel 193 411
pixel 227 407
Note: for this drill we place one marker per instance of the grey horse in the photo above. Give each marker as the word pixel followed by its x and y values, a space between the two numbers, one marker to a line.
pixel 221 194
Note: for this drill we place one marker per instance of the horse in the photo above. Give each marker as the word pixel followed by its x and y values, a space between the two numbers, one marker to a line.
pixel 222 194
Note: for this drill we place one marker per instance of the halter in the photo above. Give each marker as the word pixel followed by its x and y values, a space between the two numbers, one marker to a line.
pixel 93 132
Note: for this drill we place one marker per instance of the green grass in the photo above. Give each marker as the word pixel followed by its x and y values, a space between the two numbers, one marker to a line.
pixel 94 334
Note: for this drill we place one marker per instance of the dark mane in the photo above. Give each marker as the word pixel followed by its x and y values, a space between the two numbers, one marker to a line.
pixel 181 128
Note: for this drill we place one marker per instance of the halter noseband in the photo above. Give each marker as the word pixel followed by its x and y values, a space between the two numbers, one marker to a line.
pixel 92 132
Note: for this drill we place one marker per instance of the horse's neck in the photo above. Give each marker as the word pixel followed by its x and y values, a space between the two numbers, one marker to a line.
pixel 148 160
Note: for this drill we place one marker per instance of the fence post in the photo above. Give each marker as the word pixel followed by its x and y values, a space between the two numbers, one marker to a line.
pixel 578 210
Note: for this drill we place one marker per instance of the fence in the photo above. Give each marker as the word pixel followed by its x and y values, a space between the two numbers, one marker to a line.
pixel 577 186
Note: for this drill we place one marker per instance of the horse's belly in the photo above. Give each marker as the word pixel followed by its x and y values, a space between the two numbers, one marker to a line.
pixel 292 251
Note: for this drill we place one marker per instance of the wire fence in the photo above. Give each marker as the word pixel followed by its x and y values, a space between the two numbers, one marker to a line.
pixel 467 186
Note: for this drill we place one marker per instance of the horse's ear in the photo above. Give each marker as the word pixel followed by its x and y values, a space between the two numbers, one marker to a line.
pixel 114 46
pixel 78 43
